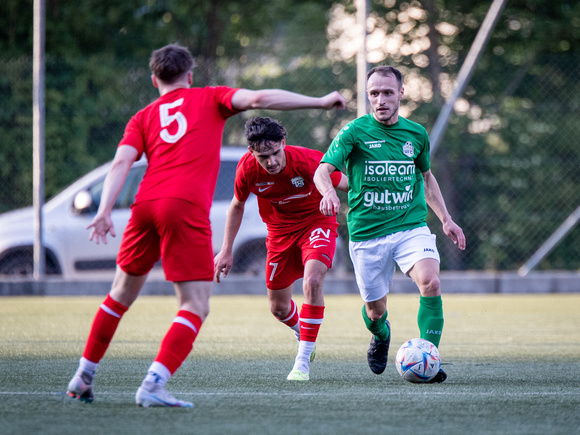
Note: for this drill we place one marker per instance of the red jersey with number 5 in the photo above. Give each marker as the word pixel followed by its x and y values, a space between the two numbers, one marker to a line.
pixel 287 200
pixel 180 133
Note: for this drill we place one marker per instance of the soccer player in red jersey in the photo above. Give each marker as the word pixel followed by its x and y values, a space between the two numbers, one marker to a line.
pixel 301 240
pixel 180 134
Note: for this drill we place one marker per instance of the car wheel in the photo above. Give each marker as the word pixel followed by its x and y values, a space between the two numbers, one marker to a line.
pixel 18 264
pixel 21 264
pixel 251 258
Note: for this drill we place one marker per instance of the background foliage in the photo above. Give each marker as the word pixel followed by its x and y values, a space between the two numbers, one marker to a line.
pixel 507 164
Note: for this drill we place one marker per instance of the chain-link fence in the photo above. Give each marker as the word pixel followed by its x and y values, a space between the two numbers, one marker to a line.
pixel 507 164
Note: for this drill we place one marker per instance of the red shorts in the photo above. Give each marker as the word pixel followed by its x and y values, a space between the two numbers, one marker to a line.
pixel 288 253
pixel 174 230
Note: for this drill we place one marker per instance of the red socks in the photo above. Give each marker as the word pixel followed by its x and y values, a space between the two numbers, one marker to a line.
pixel 175 347
pixel 178 341
pixel 292 318
pixel 310 320
pixel 104 326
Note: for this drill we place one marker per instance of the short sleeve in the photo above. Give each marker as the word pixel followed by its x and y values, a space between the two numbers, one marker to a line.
pixel 133 135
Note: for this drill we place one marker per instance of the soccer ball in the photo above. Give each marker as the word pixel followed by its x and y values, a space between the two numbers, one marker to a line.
pixel 418 360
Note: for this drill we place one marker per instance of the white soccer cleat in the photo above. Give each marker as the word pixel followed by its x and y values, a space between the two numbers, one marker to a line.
pixel 81 387
pixel 150 394
pixel 298 375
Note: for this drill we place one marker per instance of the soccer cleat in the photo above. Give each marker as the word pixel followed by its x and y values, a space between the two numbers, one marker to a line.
pixel 378 353
pixel 81 387
pixel 313 354
pixel 297 375
pixel 150 394
pixel 439 377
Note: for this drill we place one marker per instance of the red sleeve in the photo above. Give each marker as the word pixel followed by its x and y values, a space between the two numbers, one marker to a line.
pixel 241 190
pixel 134 135
pixel 336 176
pixel 223 96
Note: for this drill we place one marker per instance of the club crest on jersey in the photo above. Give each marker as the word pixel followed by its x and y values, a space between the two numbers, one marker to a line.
pixel 408 149
pixel 298 181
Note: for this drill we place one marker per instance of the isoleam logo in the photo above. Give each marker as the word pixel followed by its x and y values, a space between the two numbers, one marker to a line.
pixel 387 170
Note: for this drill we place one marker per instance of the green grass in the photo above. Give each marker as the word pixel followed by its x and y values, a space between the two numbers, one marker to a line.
pixel 513 363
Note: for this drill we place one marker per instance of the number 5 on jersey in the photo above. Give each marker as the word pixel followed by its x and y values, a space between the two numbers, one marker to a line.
pixel 167 119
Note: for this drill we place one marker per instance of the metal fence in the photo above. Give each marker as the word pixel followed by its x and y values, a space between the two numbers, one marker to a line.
pixel 507 165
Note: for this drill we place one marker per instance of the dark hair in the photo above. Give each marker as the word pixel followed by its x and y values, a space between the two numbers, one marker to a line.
pixel 169 63
pixel 262 133
pixel 385 70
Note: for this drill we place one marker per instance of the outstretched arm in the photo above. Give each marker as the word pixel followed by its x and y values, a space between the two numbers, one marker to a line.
pixel 224 259
pixel 278 99
pixel 329 204
pixel 435 200
pixel 114 181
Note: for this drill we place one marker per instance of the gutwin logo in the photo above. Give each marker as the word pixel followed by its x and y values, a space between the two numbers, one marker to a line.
pixel 387 197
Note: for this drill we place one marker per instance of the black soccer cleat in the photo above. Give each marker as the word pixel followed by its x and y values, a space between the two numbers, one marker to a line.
pixel 378 353
pixel 439 377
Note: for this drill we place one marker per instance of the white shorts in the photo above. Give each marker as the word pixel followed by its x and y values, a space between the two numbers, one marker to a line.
pixel 374 260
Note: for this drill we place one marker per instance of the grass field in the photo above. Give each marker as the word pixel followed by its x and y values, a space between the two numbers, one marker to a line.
pixel 513 363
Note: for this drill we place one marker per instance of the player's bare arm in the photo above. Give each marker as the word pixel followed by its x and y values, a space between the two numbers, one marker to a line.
pixel 278 99
pixel 224 259
pixel 436 202
pixel 102 223
pixel 330 204
pixel 343 184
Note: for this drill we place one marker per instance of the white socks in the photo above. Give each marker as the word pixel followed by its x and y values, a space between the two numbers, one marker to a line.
pixel 302 361
pixel 157 374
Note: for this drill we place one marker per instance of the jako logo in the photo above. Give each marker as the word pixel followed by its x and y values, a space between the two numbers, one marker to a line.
pixel 431 331
pixel 374 144
pixel 429 250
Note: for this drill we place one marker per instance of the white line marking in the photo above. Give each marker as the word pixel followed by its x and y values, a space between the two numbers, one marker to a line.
pixel 291 393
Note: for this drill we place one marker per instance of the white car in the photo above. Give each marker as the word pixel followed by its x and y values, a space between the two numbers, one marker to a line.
pixel 71 256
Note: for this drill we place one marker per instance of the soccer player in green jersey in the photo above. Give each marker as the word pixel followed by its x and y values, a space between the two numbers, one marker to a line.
pixel 390 185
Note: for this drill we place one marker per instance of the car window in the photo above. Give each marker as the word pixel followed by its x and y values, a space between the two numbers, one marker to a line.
pixel 224 190
pixel 127 194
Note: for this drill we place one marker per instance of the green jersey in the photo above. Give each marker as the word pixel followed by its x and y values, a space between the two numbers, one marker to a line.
pixel 384 165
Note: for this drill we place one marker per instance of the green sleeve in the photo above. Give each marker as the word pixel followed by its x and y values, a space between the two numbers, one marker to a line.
pixel 423 161
pixel 340 148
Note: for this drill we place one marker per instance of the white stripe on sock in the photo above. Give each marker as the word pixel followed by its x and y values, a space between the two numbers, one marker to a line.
pixel 291 313
pixel 109 311
pixel 311 321
pixel 185 322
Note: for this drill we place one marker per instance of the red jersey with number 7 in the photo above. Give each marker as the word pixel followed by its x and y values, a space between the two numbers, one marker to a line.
pixel 288 200
pixel 180 133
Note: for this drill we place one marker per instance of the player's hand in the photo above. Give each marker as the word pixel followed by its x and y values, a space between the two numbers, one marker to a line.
pixel 222 264
pixel 455 233
pixel 101 225
pixel 330 204
pixel 334 100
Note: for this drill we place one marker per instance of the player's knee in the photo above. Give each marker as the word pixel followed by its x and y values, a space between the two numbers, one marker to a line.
pixel 430 286
pixel 280 310
pixel 375 315
pixel 312 284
